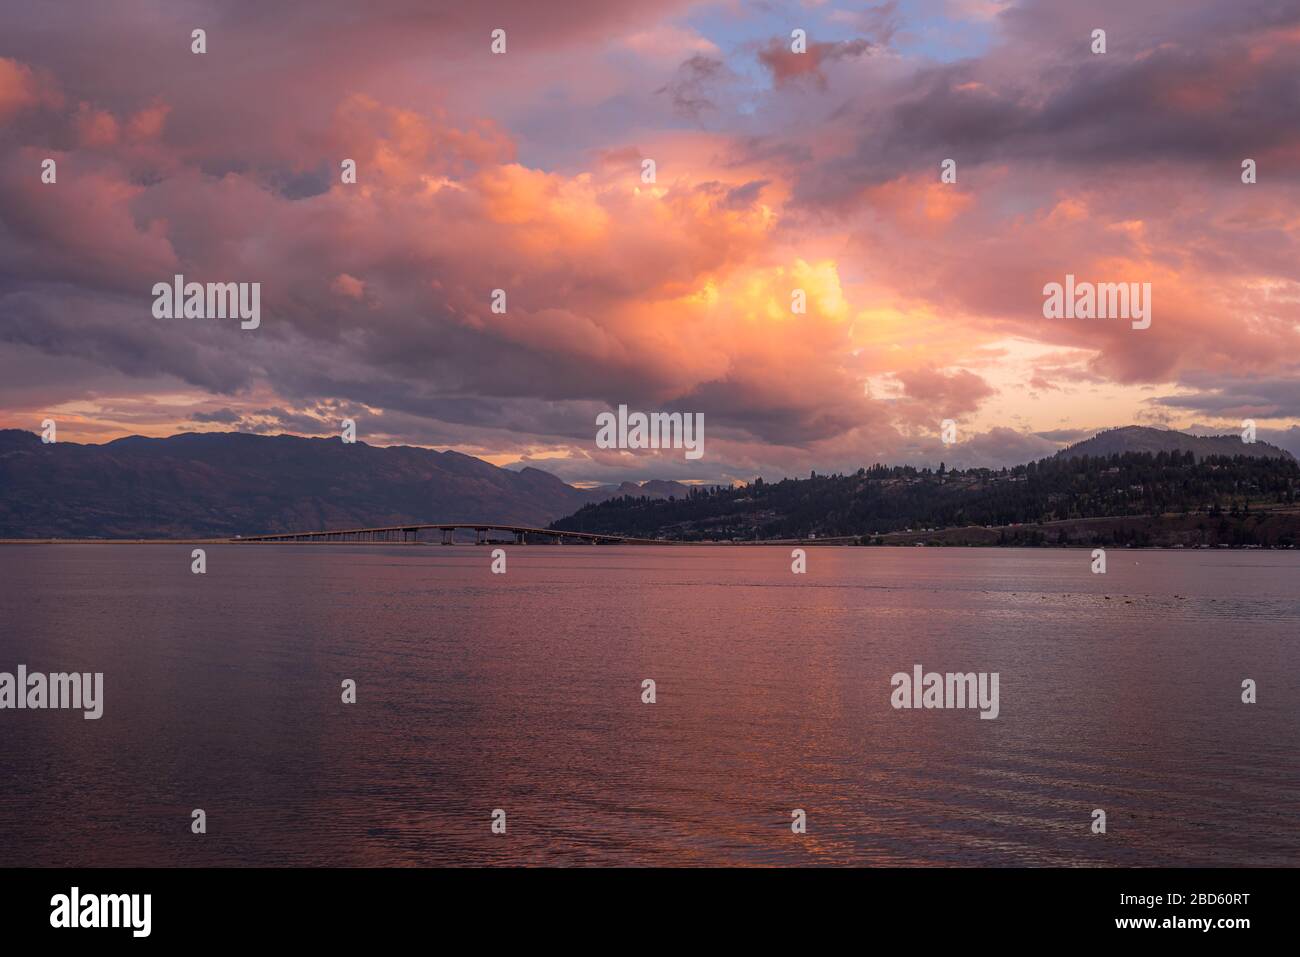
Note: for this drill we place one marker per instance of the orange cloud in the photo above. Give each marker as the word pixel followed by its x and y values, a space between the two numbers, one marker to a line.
pixel 95 128
pixel 22 89
pixel 918 202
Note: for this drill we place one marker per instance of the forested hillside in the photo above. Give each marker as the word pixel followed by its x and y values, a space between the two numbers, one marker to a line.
pixel 880 499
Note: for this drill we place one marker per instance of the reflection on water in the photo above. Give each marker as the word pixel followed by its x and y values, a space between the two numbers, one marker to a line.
pixel 523 692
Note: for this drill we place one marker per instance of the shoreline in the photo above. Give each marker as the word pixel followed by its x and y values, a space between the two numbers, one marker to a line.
pixel 769 543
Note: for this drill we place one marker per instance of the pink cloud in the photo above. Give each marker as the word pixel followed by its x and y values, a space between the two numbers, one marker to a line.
pixel 674 293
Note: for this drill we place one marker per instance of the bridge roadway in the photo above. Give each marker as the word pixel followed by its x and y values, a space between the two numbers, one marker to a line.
pixel 410 535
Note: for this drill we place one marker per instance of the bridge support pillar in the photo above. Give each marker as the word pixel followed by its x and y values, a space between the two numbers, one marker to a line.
pixel 449 536
pixel 519 538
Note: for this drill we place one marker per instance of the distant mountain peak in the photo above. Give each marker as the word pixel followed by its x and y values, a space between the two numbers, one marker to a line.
pixel 1143 438
pixel 651 488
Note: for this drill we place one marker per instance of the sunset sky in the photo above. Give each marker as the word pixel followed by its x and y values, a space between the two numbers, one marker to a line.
pixel 775 171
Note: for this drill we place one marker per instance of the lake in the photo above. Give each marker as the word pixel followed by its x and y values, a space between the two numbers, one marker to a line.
pixel 523 692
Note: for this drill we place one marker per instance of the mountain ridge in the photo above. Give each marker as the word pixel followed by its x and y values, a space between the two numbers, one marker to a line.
pixel 1170 496
pixel 212 484
pixel 215 484
pixel 1142 438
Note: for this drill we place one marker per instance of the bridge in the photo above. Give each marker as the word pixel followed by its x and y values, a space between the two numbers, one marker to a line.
pixel 519 535
pixel 412 535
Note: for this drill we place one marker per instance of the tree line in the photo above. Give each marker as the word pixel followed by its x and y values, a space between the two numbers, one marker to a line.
pixel 883 499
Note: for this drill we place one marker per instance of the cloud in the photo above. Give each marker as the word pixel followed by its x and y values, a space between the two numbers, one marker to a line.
pixel 944 395
pixel 695 85
pixel 1270 397
pixel 22 88
pixel 818 172
pixel 787 66
pixel 1001 447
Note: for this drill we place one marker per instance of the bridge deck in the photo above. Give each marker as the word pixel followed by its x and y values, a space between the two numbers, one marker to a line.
pixel 390 533
pixel 378 536
pixel 409 534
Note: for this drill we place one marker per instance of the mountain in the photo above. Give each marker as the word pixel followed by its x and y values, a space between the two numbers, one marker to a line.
pixel 1137 438
pixel 1172 497
pixel 655 488
pixel 221 484
pixel 217 484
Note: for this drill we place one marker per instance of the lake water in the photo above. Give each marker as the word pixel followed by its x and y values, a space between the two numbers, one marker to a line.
pixel 522 692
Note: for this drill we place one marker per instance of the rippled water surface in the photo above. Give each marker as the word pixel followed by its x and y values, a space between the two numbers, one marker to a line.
pixel 523 692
